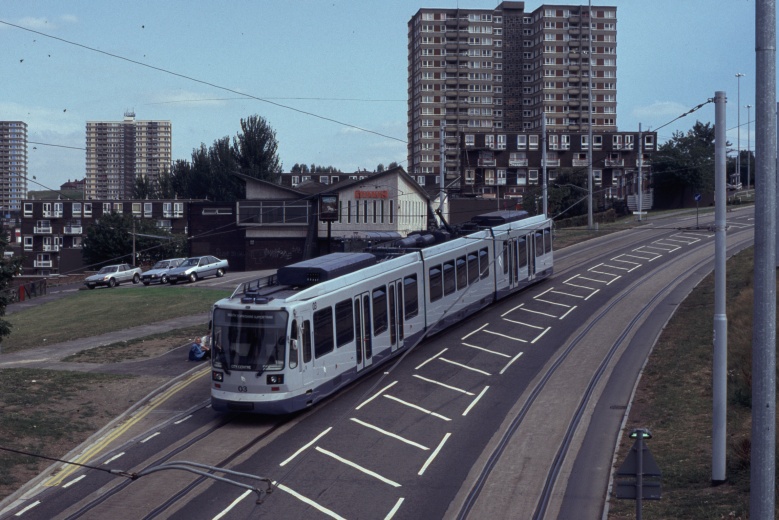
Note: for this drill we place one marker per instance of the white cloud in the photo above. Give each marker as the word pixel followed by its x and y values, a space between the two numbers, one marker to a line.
pixel 189 99
pixel 41 119
pixel 30 22
pixel 69 18
pixel 659 109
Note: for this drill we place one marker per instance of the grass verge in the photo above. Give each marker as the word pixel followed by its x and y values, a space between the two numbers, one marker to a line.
pixel 674 401
pixel 91 313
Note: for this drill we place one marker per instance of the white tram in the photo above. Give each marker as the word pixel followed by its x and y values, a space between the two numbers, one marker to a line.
pixel 284 342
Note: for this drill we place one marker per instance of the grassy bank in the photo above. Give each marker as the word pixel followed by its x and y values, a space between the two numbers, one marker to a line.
pixel 91 313
pixel 674 400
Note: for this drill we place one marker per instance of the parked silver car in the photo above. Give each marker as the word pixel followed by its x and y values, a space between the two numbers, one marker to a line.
pixel 159 271
pixel 113 275
pixel 197 267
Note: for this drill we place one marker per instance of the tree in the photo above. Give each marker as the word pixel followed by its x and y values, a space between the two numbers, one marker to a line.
pixel 110 241
pixel 684 165
pixel 9 267
pixel 256 149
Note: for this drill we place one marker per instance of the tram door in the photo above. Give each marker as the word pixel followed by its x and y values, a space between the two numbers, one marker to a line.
pixel 512 262
pixel 396 314
pixel 362 331
pixel 532 245
pixel 304 345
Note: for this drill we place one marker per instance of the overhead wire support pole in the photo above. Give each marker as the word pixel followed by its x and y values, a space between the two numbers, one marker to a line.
pixel 719 372
pixel 762 496
pixel 640 173
pixel 543 162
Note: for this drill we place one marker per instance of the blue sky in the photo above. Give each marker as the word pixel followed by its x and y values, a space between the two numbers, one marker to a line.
pixel 341 59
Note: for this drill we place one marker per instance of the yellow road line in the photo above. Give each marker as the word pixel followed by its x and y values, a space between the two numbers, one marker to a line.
pixel 95 449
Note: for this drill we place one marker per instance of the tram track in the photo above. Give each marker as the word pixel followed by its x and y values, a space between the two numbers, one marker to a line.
pixel 553 474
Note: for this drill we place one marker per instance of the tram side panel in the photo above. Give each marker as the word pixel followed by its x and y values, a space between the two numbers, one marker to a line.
pixel 458 276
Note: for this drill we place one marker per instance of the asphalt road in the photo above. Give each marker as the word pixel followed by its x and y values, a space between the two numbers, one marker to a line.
pixel 496 401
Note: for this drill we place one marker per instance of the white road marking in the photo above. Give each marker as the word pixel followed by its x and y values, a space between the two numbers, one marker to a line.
pixel 636 256
pixel 523 323
pixel 569 312
pixel 488 350
pixel 20 513
pixel 411 405
pixel 510 311
pixel 594 280
pixel 504 336
pixel 73 481
pixel 466 392
pixel 472 333
pixel 541 335
pixel 390 434
pixel 310 502
pixel 536 312
pixel 150 437
pixel 552 303
pixel 182 420
pixel 476 400
pixel 305 447
pixel 465 366
pixel 431 359
pixel 235 503
pixel 394 509
pixel 433 455
pixel 568 294
pixel 510 363
pixel 113 458
pixel 593 294
pixel 377 394
pixel 357 467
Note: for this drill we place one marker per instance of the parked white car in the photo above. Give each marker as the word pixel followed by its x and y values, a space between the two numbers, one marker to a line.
pixel 159 271
pixel 113 275
pixel 196 267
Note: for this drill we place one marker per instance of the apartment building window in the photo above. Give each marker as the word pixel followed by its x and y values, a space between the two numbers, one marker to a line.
pixel 533 142
pixel 136 209
pixel 532 176
pixel 420 181
pixel 118 207
pixel 501 142
pixel 365 212
pixel 75 209
pixel 649 141
pixel 27 243
pixel 585 142
pixel 470 176
pixel 87 209
pixel 178 209
pixel 521 142
pixel 501 177
pixel 489 141
pixel 57 209
pixel 77 241
pixel 597 142
pixel 28 209
pixel 469 139
pixel 489 177
pixel 147 209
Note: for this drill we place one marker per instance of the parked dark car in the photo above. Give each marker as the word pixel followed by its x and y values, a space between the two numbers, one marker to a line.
pixel 113 275
pixel 196 267
pixel 159 271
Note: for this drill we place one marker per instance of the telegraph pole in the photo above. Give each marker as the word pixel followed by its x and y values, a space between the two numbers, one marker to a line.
pixel 762 497
pixel 719 375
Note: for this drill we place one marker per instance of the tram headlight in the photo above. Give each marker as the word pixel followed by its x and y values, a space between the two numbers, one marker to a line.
pixel 275 379
pixel 217 376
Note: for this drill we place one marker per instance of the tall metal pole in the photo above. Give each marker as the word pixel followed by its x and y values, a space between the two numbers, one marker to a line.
pixel 719 372
pixel 441 167
pixel 749 145
pixel 543 161
pixel 738 127
pixel 762 497
pixel 640 172
pixel 589 123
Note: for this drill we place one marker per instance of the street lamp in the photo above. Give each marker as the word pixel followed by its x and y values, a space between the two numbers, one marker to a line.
pixel 738 127
pixel 749 145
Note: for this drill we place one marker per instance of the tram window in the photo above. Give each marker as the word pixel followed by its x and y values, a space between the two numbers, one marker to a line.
pixel 410 300
pixel 379 310
pixel 323 332
pixel 506 257
pixel 306 341
pixel 344 323
pixel 547 240
pixel 293 345
pixel 539 243
pixel 436 283
pixel 462 274
pixel 449 278
pixel 473 268
pixel 484 262
pixel 393 315
pixel 522 252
